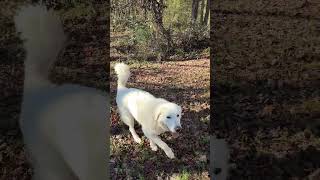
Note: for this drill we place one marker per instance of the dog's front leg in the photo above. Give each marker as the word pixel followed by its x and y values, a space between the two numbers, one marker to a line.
pixel 154 138
pixel 153 145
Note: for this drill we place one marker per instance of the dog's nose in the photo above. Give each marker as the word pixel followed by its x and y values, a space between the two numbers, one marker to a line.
pixel 177 129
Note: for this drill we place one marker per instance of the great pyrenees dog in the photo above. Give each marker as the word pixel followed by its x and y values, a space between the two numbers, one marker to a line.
pixel 64 126
pixel 155 115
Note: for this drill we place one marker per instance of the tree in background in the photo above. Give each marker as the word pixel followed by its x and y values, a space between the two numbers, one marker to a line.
pixel 206 16
pixel 165 47
pixel 160 28
pixel 204 11
pixel 194 13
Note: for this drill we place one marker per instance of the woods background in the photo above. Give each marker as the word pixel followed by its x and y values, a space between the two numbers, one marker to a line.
pixel 159 30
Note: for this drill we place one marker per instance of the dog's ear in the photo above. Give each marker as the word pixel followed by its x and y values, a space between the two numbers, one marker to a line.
pixel 158 119
pixel 160 111
pixel 157 114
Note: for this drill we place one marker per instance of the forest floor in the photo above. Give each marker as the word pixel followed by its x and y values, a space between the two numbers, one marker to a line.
pixel 266 98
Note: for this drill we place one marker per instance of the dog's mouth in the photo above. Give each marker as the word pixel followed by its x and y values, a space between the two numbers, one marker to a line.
pixel 175 134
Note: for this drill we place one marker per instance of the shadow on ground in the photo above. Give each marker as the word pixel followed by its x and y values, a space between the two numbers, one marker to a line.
pixel 271 130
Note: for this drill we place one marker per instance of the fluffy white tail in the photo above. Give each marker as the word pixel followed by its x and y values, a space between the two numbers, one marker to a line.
pixel 44 38
pixel 123 73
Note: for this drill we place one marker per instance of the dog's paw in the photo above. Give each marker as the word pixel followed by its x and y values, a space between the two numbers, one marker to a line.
pixel 170 154
pixel 137 140
pixel 154 147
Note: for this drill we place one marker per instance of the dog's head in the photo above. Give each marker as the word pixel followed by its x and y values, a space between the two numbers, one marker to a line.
pixel 168 115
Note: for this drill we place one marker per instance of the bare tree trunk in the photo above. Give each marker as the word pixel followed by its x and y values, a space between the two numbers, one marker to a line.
pixel 157 8
pixel 206 16
pixel 202 10
pixel 194 13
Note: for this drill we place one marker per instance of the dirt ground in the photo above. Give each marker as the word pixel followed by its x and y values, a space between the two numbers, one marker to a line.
pixel 183 82
pixel 266 87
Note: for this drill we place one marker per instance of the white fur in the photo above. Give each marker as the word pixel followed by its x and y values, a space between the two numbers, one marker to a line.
pixel 64 127
pixel 155 115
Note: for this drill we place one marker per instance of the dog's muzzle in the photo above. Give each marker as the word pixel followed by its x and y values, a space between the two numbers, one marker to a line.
pixel 178 129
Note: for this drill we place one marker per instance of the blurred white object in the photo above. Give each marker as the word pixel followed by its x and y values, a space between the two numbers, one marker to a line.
pixel 64 127
pixel 219 158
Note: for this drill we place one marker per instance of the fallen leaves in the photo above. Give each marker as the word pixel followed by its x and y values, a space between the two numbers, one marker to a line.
pixel 267 110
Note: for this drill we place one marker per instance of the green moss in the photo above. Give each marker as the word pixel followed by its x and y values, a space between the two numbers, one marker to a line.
pixel 312 105
pixel 184 175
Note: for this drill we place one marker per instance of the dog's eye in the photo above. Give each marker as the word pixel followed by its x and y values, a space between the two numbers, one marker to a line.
pixel 178 115
pixel 168 117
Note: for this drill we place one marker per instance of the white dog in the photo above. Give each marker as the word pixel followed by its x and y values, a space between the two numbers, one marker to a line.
pixel 64 127
pixel 155 115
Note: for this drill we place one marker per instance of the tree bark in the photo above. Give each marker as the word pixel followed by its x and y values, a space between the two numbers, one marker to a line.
pixel 202 11
pixel 206 16
pixel 157 8
pixel 194 13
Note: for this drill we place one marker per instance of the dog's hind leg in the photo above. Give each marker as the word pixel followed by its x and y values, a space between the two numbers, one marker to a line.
pixel 127 118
